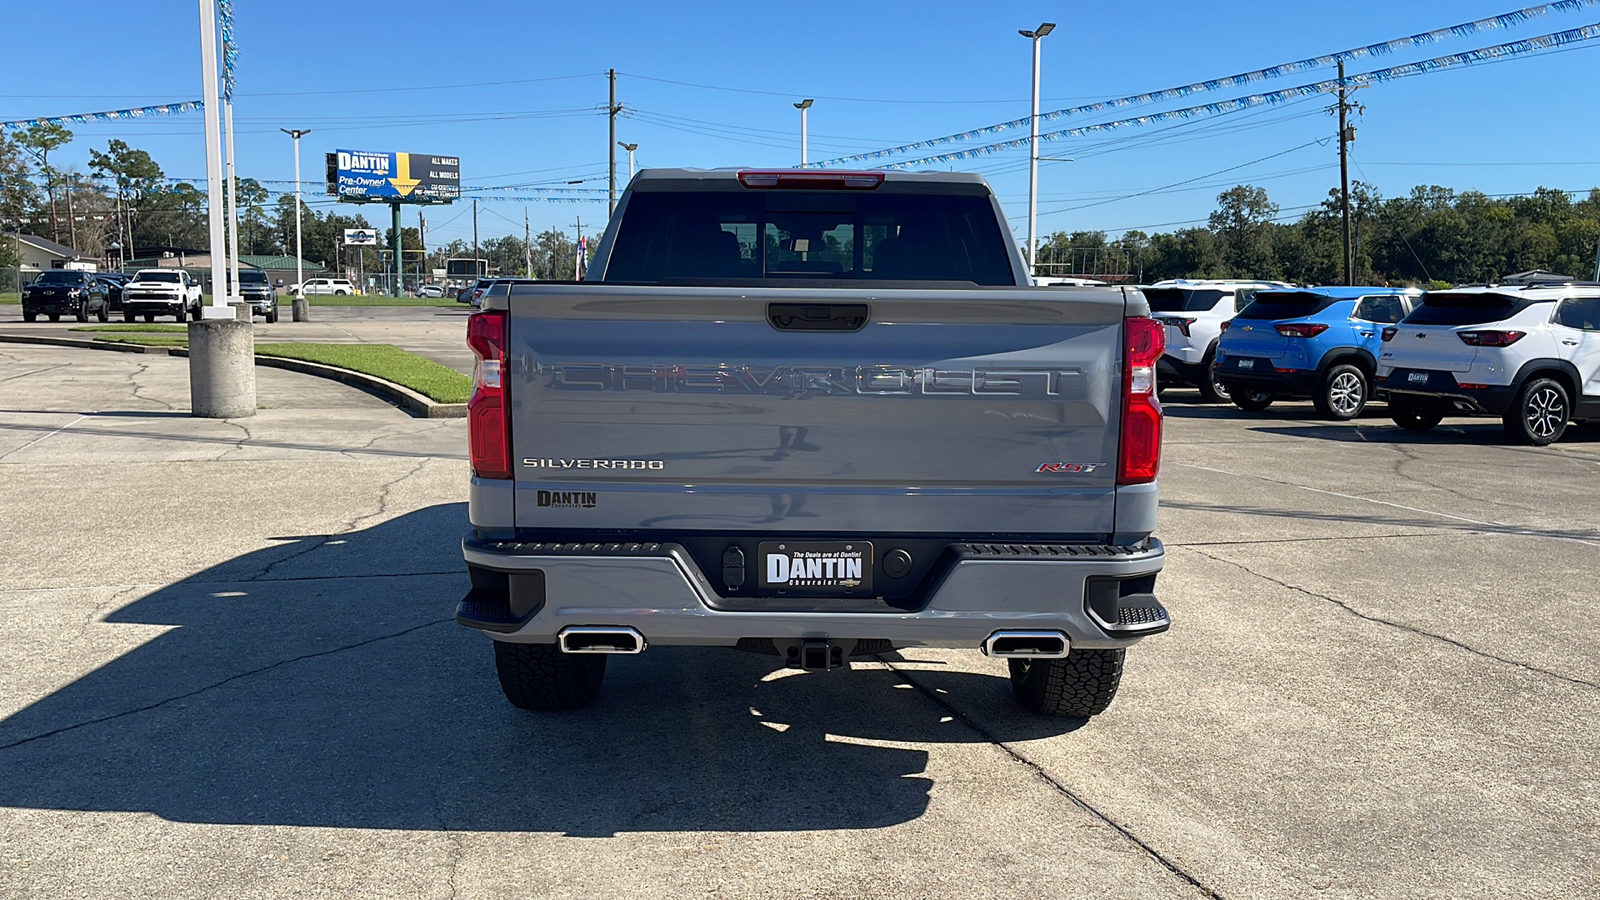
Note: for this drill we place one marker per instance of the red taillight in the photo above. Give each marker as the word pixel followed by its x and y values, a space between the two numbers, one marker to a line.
pixel 1471 387
pixel 1301 329
pixel 812 179
pixel 1226 325
pixel 1389 333
pixel 1490 338
pixel 1140 459
pixel 488 430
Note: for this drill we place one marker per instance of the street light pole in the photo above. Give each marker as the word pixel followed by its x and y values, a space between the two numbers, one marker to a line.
pixel 630 148
pixel 803 105
pixel 1033 149
pixel 299 255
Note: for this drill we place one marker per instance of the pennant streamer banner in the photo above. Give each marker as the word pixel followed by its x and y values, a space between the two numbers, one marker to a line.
pixel 167 109
pixel 1502 51
pixel 230 50
pixel 1506 20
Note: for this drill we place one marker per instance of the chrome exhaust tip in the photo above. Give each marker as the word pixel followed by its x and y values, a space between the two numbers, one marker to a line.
pixel 1027 645
pixel 600 639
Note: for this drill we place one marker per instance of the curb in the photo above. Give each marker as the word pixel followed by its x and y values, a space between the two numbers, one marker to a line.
pixel 413 402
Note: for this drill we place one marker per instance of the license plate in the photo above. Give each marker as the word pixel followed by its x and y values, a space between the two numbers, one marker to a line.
pixel 1418 378
pixel 816 567
pixel 1247 364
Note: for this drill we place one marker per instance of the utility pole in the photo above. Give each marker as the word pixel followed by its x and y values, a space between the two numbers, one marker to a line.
pixel 1033 150
pixel 577 250
pixel 611 112
pixel 72 221
pixel 475 266
pixel 527 245
pixel 803 106
pixel 299 252
pixel 422 242
pixel 630 148
pixel 1346 134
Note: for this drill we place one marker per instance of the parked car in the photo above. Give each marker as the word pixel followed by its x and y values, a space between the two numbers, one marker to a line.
pixel 65 292
pixel 430 290
pixel 475 293
pixel 1193 313
pixel 114 282
pixel 256 289
pixel 1321 343
pixel 338 287
pixel 1529 354
pixel 165 292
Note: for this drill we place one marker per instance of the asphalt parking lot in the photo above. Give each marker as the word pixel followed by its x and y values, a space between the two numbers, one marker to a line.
pixel 230 668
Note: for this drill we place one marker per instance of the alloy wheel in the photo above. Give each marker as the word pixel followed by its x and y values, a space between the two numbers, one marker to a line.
pixel 1545 412
pixel 1347 394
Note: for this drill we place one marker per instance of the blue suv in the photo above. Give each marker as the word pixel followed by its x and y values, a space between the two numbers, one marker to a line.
pixel 1321 343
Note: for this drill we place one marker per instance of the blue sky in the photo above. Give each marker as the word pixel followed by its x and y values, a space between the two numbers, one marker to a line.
pixel 380 77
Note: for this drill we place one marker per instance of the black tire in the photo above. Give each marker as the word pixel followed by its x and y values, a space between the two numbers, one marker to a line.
pixel 29 316
pixel 1343 393
pixel 128 316
pixel 1081 685
pixel 183 315
pixel 82 312
pixel 272 316
pixel 104 315
pixel 339 293
pixel 1414 418
pixel 541 677
pixel 1255 402
pixel 1212 390
pixel 149 317
pixel 1539 414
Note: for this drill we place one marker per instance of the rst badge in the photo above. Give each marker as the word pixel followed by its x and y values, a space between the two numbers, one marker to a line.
pixel 1068 468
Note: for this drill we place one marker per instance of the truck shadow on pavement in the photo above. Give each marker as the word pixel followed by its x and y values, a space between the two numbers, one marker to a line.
pixel 323 682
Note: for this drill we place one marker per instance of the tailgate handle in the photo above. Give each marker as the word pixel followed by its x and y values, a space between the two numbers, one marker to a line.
pixel 817 316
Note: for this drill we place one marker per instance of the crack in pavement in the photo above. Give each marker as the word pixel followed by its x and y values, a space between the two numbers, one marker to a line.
pixel 1379 620
pixel 348 451
pixel 323 539
pixel 134 381
pixel 34 372
pixel 211 687
pixel 457 844
pixel 1052 781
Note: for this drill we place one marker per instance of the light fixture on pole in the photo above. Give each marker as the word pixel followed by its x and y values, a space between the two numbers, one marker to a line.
pixel 1033 148
pixel 630 148
pixel 803 105
pixel 299 255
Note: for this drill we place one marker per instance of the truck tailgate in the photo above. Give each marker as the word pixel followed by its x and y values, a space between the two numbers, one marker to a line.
pixel 949 411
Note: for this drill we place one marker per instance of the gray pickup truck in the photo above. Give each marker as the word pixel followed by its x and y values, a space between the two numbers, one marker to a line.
pixel 818 415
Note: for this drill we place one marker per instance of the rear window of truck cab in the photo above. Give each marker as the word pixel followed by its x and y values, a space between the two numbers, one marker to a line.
pixel 697 236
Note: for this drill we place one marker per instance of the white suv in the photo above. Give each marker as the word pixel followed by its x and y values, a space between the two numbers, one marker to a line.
pixel 1529 354
pixel 339 287
pixel 1193 313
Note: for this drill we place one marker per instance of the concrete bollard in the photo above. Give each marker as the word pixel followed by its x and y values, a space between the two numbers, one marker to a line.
pixel 222 369
pixel 302 310
pixel 241 312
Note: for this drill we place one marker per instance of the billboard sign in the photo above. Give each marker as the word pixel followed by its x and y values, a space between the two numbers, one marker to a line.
pixel 361 176
pixel 361 237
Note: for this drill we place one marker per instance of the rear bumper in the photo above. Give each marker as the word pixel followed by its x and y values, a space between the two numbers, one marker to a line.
pixel 1097 596
pixel 1441 392
pixel 1299 383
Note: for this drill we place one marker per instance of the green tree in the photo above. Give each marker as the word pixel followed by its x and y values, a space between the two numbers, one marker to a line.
pixel 39 142
pixel 1242 226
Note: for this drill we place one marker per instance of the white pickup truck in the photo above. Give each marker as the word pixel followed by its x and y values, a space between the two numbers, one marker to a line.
pixel 167 292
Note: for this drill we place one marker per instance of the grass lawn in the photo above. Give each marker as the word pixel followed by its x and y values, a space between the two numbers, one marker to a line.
pixel 137 328
pixel 438 383
pixel 149 340
pixel 10 298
